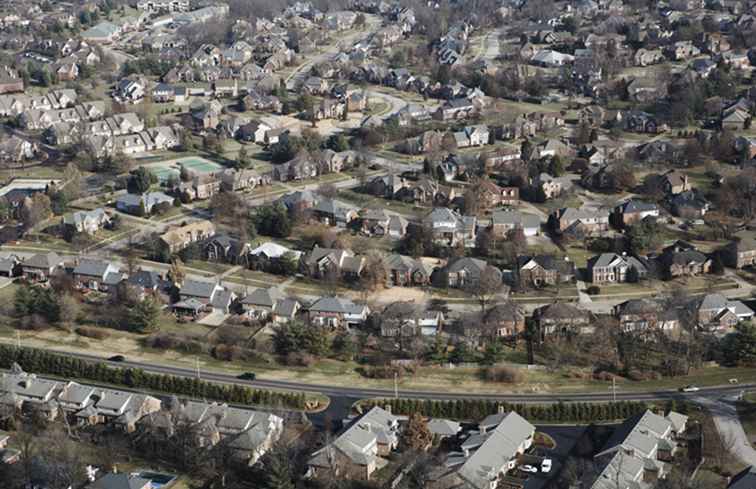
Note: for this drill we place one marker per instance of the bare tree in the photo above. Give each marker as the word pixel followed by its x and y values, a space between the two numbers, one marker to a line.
pixel 486 287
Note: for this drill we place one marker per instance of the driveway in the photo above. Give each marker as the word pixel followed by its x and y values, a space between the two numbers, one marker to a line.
pixel 728 424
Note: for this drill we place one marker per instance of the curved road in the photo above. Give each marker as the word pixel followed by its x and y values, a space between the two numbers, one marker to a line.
pixel 361 392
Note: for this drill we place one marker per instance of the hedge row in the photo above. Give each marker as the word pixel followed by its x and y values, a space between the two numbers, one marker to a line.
pixel 43 362
pixel 472 410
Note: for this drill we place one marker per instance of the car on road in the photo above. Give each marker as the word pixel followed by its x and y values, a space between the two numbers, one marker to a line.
pixel 690 388
pixel 546 465
pixel 117 358
pixel 247 376
pixel 733 381
pixel 528 468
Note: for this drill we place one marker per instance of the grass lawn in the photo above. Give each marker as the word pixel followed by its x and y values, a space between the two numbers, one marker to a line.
pixel 38 171
pixel 369 201
pixel 208 266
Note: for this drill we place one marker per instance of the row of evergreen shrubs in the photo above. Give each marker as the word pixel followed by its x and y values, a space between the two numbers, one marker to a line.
pixel 474 410
pixel 44 362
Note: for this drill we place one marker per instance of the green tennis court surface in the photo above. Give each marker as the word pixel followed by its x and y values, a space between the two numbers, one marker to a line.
pixel 199 165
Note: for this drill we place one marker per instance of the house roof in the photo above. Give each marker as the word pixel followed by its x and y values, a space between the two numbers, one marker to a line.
pixel 198 288
pixel 43 260
pixel 120 481
pixel 336 305
pixel 273 250
pixel 485 464
pixel 443 427
pixel 93 268
pixel 264 297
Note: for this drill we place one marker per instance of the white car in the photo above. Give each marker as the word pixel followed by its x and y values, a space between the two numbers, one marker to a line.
pixel 690 388
pixel 528 468
pixel 546 465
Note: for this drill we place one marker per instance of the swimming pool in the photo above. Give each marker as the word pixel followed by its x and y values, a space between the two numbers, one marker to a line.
pixel 157 479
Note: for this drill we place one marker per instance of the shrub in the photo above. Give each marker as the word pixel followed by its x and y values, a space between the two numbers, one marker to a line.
pixel 297 359
pixel 506 375
pixel 95 333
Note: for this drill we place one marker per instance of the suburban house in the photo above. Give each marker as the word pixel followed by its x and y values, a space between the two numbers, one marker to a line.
pixel 179 237
pixel 268 255
pixel 612 268
pixel 490 195
pixel 407 319
pixel 675 182
pixel 377 222
pixel 719 314
pixel 137 204
pixel 87 221
pixel 224 248
pixel 360 450
pixel 683 259
pixel 485 457
pixel 547 186
pixel 323 262
pixel 642 315
pixel 634 211
pixel 334 212
pixel 114 480
pixel 639 450
pixel 41 266
pixel 337 313
pixel 740 253
pixel 96 274
pixel 504 320
pixel 199 296
pixel 505 221
pixel 542 270
pixel 450 228
pixel 562 318
pixel 466 272
pixel 406 271
pixel 690 204
pixel 569 220
pixel 269 303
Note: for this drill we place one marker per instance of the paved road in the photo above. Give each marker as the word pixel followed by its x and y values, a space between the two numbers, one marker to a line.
pixel 299 75
pixel 726 419
pixel 362 392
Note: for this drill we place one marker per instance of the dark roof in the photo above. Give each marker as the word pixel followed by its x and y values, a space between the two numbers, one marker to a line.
pixel 43 260
pixel 549 262
pixel 145 278
pixel 746 479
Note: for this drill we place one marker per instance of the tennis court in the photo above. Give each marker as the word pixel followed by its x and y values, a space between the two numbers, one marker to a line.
pixel 199 165
pixel 164 173
pixel 171 169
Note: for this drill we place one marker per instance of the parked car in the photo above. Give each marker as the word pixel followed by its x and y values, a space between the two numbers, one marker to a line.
pixel 247 376
pixel 690 388
pixel 117 358
pixel 529 469
pixel 546 465
pixel 733 381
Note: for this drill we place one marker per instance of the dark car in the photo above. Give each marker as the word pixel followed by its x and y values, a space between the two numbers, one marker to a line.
pixel 247 376
pixel 117 358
